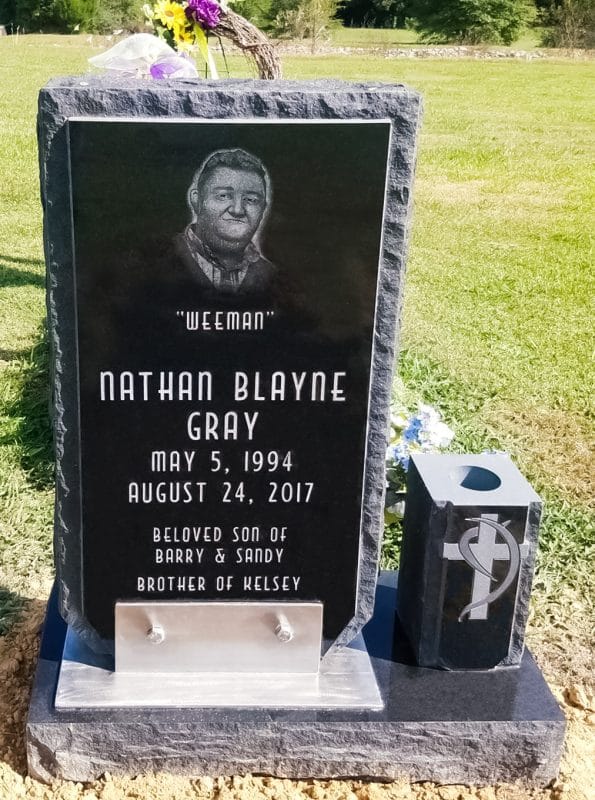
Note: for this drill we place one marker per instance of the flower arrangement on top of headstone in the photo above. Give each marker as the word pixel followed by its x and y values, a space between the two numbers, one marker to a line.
pixel 181 30
pixel 186 25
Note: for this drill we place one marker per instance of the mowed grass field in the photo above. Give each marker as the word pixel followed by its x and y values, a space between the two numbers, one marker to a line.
pixel 498 316
pixel 386 38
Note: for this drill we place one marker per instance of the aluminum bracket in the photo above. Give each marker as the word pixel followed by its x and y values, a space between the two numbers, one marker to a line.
pixel 237 637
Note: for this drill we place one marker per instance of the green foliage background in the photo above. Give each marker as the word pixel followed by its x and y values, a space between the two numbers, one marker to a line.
pixel 566 23
pixel 63 16
pixel 470 21
pixel 375 13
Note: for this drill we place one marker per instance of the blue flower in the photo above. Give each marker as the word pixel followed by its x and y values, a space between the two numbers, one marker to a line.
pixel 400 455
pixel 413 429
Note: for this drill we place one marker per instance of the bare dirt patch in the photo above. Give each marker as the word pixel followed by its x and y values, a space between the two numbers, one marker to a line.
pixel 18 653
pixel 553 442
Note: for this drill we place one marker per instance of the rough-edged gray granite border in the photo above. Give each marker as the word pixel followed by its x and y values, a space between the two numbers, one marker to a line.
pixel 92 96
pixel 476 753
pixel 466 727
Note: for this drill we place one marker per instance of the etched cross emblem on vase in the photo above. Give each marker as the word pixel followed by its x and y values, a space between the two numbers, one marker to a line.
pixel 481 555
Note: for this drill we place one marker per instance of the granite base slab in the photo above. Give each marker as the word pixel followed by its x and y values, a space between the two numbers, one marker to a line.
pixel 449 727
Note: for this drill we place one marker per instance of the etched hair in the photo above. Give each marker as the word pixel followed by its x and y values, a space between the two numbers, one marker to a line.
pixel 233 158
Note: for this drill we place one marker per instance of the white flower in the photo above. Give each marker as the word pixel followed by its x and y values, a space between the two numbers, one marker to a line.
pixel 429 414
pixel 398 421
pixel 437 436
pixel 423 432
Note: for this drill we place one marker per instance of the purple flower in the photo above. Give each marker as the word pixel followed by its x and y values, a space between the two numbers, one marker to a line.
pixel 161 70
pixel 173 66
pixel 206 12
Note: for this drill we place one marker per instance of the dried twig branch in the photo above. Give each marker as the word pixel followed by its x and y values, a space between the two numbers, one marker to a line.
pixel 251 41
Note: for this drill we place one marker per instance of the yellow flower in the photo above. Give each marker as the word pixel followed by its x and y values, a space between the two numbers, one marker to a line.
pixel 170 14
pixel 183 35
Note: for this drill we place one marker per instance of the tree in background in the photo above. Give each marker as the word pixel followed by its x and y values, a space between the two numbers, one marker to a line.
pixel 568 23
pixel 258 12
pixel 470 21
pixel 374 13
pixel 303 19
pixel 111 15
pixel 54 15
pixel 64 16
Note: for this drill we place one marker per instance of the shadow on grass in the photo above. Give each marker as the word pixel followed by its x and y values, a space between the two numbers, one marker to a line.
pixel 11 605
pixel 30 412
pixel 14 355
pixel 13 276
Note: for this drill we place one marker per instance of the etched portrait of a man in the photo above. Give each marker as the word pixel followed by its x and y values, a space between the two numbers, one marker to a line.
pixel 229 199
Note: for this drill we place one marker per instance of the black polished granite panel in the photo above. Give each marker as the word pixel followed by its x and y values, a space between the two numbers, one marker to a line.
pixel 497 725
pixel 244 483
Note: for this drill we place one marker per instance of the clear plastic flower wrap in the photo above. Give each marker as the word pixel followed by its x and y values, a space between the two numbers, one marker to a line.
pixel 144 55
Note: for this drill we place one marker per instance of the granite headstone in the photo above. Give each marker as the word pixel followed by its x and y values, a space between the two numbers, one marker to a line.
pixel 225 270
pixel 225 287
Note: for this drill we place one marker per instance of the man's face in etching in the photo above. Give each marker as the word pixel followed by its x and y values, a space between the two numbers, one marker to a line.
pixel 229 207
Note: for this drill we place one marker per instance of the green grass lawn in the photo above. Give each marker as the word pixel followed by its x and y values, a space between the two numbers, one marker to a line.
pixel 498 311
pixel 371 37
pixel 401 37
